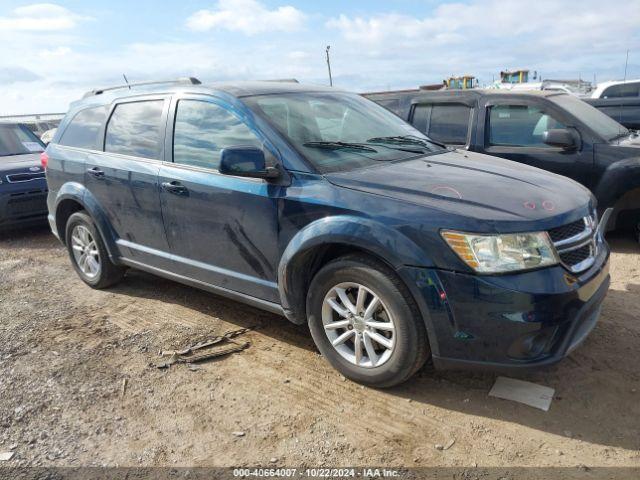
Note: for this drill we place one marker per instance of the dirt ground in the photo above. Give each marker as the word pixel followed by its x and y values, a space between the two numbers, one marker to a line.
pixel 66 349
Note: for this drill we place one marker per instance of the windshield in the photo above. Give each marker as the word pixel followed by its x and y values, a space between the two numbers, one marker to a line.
pixel 600 123
pixel 18 140
pixel 338 132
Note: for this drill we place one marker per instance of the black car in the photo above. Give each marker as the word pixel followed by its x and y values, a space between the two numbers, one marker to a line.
pixel 23 187
pixel 551 130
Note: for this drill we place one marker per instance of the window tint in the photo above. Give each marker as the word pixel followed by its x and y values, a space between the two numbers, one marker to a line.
pixel 421 115
pixel 519 125
pixel 83 130
pixel 621 91
pixel 203 129
pixel 449 123
pixel 134 129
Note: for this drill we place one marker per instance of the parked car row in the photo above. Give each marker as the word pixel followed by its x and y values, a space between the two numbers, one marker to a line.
pixel 326 208
pixel 550 130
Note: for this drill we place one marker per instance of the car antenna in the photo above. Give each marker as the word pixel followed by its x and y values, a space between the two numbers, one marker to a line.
pixel 126 81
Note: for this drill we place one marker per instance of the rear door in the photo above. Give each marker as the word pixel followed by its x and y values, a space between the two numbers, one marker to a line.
pixel 123 180
pixel 514 128
pixel 222 230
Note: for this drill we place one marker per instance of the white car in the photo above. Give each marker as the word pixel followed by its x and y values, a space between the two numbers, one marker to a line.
pixel 617 89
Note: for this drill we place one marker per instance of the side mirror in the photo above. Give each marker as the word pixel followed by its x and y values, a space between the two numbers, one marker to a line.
pixel 559 137
pixel 246 162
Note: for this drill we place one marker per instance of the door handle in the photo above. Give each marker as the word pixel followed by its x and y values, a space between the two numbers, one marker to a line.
pixel 175 187
pixel 96 172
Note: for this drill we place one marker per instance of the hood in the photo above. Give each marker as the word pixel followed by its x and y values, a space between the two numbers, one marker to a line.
pixel 27 165
pixel 473 185
pixel 12 162
pixel 625 148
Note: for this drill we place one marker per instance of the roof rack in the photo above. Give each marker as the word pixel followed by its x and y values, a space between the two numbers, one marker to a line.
pixel 179 81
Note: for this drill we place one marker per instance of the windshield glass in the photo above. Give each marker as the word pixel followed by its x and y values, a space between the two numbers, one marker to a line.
pixel 338 132
pixel 18 140
pixel 600 123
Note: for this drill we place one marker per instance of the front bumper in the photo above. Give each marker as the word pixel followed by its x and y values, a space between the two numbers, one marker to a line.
pixel 508 322
pixel 23 205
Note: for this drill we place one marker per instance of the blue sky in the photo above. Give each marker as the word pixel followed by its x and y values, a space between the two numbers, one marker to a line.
pixel 60 49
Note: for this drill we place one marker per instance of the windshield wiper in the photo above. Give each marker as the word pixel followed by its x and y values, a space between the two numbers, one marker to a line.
pixel 341 146
pixel 404 140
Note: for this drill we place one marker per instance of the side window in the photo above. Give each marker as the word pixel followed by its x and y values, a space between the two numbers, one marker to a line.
pixel 449 123
pixel 134 129
pixel 519 125
pixel 84 128
pixel 421 115
pixel 203 129
pixel 624 90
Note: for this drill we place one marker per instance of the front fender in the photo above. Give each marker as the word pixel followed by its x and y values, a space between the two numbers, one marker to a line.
pixel 80 194
pixel 359 233
pixel 619 178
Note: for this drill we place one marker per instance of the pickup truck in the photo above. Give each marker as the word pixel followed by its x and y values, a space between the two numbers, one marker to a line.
pixel 623 110
pixel 554 131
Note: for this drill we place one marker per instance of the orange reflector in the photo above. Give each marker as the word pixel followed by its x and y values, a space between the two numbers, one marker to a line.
pixel 458 242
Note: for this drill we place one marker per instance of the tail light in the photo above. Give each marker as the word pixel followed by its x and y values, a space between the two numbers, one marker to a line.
pixel 44 159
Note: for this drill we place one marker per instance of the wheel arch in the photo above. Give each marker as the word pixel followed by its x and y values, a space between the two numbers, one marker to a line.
pixel 329 238
pixel 74 197
pixel 619 188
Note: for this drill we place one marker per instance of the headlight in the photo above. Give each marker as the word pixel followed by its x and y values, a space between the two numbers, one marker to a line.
pixel 502 253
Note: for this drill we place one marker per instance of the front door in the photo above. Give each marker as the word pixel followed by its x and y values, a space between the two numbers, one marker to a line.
pixel 123 179
pixel 514 129
pixel 222 230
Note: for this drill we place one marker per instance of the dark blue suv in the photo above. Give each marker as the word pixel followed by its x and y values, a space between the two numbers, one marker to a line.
pixel 326 208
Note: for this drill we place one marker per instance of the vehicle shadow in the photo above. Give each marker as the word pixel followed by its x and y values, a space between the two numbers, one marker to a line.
pixel 34 236
pixel 143 285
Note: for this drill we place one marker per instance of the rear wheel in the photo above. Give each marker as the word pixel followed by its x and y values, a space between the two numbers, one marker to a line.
pixel 364 321
pixel 88 254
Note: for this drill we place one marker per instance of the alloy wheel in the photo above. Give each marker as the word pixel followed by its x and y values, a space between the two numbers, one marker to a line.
pixel 85 251
pixel 358 325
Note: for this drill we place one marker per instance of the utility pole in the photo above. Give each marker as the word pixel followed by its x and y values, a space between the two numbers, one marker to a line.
pixel 329 65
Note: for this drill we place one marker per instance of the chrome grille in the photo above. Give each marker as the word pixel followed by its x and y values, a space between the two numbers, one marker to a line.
pixel 24 177
pixel 567 231
pixel 576 243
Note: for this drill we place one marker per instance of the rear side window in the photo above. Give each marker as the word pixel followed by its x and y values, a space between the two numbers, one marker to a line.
pixel 624 90
pixel 134 129
pixel 449 123
pixel 520 125
pixel 421 116
pixel 84 129
pixel 203 129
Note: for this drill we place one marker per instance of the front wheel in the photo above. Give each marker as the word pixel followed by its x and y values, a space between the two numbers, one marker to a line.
pixel 88 254
pixel 365 323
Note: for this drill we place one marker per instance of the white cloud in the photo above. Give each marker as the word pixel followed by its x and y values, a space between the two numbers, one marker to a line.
pixel 484 36
pixel 247 16
pixel 40 17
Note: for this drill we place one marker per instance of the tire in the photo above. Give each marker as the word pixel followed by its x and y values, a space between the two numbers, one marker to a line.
pixel 396 313
pixel 82 232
